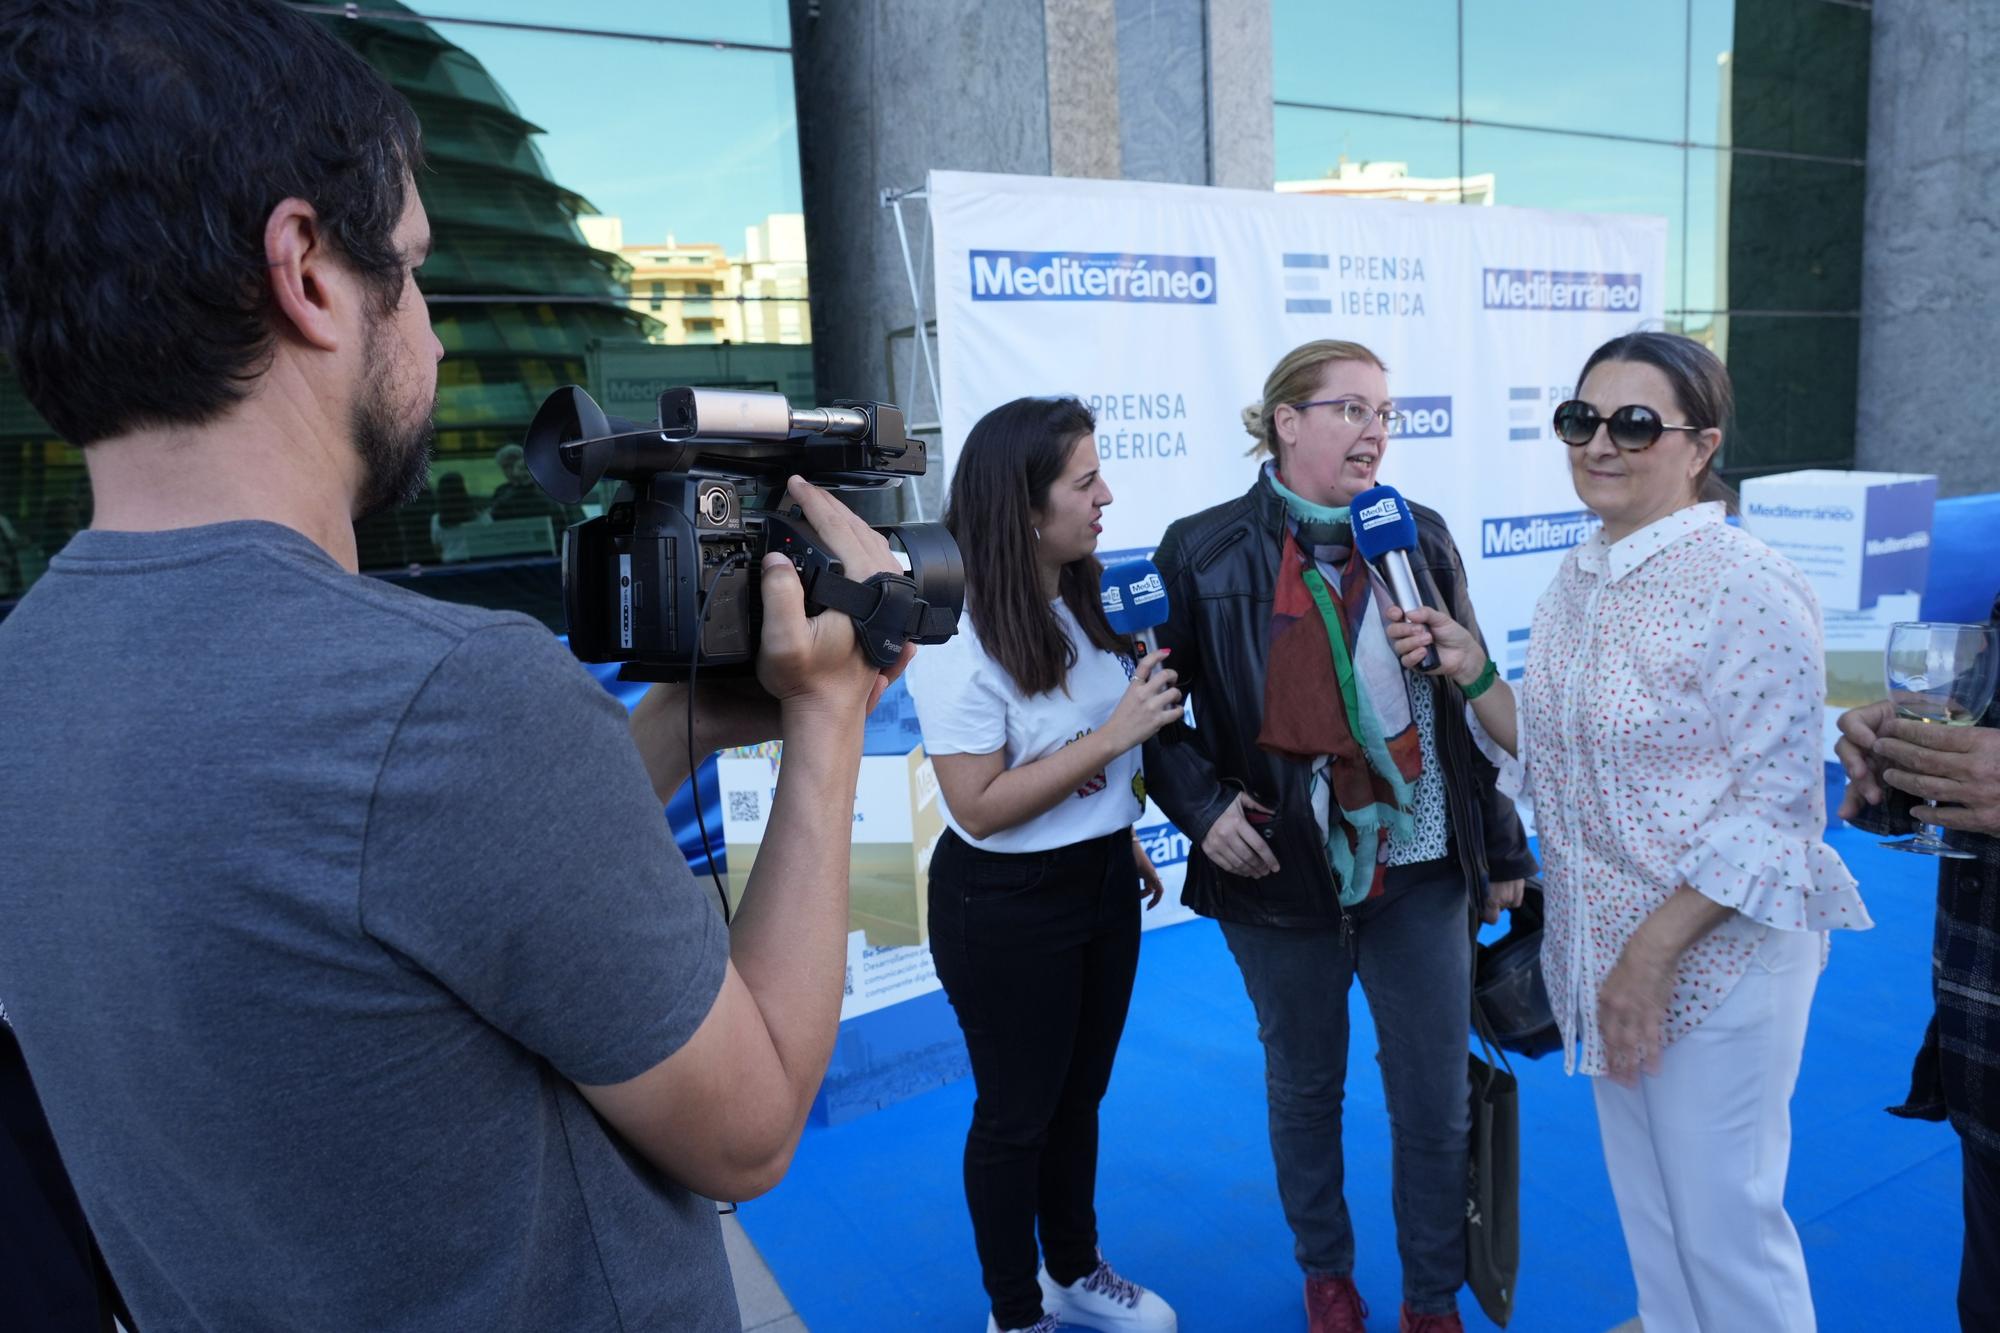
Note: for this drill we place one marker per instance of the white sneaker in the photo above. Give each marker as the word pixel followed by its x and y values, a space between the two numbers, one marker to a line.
pixel 1107 1302
pixel 1048 1323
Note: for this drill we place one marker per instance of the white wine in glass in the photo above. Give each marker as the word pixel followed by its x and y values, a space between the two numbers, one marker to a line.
pixel 1943 675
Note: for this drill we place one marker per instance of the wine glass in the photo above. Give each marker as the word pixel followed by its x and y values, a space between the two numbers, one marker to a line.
pixel 1944 675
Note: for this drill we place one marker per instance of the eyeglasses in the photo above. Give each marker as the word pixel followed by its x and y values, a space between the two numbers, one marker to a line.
pixel 1633 427
pixel 1357 413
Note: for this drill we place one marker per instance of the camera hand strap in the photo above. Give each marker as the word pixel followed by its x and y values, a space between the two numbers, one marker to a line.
pixel 884 608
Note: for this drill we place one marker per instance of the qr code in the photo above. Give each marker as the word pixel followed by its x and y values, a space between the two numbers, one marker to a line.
pixel 745 808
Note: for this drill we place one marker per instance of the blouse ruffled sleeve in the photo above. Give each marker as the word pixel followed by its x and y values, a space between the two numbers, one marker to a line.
pixel 1764 681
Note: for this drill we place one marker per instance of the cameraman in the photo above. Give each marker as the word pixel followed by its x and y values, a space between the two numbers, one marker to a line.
pixel 348 948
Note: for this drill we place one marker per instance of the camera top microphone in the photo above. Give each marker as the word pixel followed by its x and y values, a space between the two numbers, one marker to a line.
pixel 1135 601
pixel 1385 532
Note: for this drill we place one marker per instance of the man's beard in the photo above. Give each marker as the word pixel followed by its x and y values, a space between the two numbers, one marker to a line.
pixel 395 455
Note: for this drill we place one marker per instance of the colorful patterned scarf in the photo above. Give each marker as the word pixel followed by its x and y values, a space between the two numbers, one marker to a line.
pixel 1334 695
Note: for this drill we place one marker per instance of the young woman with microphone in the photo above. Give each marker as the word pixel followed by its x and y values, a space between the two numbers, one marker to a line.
pixel 1669 727
pixel 1344 822
pixel 1033 716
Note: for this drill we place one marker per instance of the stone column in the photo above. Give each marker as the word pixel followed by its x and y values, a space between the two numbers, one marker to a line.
pixel 888 90
pixel 1930 283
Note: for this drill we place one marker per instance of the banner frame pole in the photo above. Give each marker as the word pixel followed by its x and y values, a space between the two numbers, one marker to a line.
pixel 893 201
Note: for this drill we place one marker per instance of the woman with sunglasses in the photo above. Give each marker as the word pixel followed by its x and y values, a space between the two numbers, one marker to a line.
pixel 1344 822
pixel 1669 726
pixel 1033 716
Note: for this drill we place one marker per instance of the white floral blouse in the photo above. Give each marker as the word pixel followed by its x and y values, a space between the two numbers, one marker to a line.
pixel 1670 735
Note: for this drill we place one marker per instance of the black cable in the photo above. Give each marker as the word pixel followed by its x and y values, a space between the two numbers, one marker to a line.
pixel 694 770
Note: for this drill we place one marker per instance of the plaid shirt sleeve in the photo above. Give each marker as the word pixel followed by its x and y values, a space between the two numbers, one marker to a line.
pixel 1957 1070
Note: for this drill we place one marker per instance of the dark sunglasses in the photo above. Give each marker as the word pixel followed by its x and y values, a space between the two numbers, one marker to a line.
pixel 1632 427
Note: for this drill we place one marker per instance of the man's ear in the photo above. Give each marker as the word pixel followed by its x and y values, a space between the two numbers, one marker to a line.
pixel 299 263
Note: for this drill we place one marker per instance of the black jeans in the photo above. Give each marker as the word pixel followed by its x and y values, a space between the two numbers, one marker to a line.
pixel 1979 1269
pixel 1036 953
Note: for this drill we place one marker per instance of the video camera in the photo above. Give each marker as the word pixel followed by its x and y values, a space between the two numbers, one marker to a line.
pixel 666 579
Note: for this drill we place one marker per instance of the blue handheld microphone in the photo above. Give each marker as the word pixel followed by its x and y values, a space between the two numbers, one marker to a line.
pixel 1135 601
pixel 1385 532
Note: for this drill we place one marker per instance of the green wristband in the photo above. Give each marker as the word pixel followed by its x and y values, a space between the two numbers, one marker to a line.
pixel 1484 683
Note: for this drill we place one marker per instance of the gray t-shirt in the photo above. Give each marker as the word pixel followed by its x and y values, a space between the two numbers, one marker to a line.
pixel 317 895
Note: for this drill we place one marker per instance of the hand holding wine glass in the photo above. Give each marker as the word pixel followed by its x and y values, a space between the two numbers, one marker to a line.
pixel 1939 675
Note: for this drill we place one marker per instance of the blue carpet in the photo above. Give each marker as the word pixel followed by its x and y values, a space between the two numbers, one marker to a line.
pixel 869 1230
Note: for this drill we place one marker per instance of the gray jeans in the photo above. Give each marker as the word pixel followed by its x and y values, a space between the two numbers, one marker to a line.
pixel 1413 952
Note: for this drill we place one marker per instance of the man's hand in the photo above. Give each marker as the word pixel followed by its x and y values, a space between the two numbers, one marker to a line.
pixel 814 661
pixel 1502 894
pixel 1858 730
pixel 1234 845
pixel 810 659
pixel 1957 765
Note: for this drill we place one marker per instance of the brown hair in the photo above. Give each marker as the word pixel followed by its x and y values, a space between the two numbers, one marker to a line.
pixel 1004 471
pixel 1700 381
pixel 1294 380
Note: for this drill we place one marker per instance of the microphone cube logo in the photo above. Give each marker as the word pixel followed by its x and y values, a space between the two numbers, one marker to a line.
pixel 1112 597
pixel 1423 418
pixel 1067 275
pixel 1546 289
pixel 1148 589
pixel 1384 510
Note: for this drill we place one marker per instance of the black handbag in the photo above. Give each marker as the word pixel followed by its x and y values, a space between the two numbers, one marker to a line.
pixel 1493 1170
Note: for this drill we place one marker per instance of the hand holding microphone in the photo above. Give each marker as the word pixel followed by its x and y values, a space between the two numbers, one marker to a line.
pixel 1424 638
pixel 1150 704
pixel 1385 532
pixel 1427 634
pixel 1134 597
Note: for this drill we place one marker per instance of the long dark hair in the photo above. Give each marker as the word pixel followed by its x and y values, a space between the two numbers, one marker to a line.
pixel 1700 381
pixel 1004 471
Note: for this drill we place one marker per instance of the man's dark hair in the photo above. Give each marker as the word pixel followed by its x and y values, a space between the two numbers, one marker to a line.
pixel 1005 469
pixel 146 144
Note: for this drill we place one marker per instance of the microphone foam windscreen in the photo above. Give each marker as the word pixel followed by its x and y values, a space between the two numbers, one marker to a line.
pixel 1134 596
pixel 1382 523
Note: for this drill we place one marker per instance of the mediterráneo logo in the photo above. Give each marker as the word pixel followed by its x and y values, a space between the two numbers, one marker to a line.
pixel 1916 541
pixel 1817 513
pixel 1424 418
pixel 1053 275
pixel 1534 534
pixel 1542 289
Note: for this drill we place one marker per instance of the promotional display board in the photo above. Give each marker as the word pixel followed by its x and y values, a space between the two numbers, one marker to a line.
pixel 1863 541
pixel 1164 307
pixel 1858 537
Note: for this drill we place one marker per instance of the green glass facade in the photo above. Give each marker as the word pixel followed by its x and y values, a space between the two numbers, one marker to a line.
pixel 520 299
pixel 1742 122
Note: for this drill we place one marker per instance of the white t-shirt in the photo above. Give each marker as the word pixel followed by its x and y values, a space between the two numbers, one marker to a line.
pixel 968 704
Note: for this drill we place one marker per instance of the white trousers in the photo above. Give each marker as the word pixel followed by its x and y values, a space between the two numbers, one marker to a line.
pixel 1698 1155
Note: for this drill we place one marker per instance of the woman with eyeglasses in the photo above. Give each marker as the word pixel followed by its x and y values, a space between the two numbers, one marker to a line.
pixel 1668 729
pixel 1344 822
pixel 1033 716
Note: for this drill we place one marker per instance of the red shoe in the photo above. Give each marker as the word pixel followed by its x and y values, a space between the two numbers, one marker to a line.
pixel 1430 1323
pixel 1334 1306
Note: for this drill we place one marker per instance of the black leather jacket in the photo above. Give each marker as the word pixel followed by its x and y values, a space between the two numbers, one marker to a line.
pixel 1220 568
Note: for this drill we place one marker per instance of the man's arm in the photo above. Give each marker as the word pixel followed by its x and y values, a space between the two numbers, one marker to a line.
pixel 723 1114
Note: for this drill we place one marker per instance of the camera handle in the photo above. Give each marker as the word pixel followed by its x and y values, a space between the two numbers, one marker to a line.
pixel 885 608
